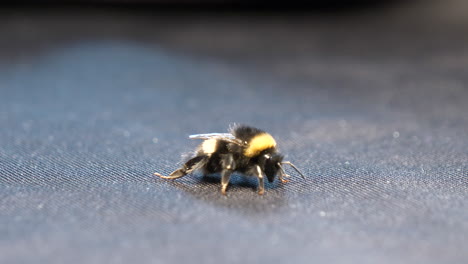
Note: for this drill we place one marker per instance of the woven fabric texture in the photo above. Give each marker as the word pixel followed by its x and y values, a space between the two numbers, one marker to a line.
pixel 371 105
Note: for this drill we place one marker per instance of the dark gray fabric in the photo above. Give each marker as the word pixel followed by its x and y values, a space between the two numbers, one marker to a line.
pixel 372 106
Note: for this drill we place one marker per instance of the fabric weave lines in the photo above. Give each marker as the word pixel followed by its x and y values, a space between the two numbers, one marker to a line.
pixel 372 108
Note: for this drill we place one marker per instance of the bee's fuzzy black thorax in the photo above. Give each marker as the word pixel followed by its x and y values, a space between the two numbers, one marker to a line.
pixel 245 133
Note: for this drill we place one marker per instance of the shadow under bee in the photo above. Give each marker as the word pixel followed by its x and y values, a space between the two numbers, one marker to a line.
pixel 242 193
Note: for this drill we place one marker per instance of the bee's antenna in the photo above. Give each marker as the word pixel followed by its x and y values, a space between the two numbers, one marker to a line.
pixel 294 167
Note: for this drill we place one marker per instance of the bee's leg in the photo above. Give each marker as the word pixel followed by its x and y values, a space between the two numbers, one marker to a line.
pixel 187 168
pixel 283 174
pixel 228 167
pixel 225 176
pixel 282 178
pixel 179 173
pixel 261 182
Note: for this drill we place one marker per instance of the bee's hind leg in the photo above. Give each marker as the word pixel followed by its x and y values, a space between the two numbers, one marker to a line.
pixel 188 167
pixel 179 173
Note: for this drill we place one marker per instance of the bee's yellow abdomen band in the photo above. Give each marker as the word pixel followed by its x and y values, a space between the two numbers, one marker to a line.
pixel 259 143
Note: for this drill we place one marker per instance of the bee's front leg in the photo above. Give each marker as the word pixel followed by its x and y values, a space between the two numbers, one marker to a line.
pixel 283 175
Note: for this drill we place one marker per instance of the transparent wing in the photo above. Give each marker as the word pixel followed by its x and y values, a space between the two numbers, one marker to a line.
pixel 221 136
pixel 213 136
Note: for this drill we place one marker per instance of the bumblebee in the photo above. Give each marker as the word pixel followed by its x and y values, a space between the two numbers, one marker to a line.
pixel 245 149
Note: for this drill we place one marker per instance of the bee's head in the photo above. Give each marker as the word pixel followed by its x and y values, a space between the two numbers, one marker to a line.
pixel 271 165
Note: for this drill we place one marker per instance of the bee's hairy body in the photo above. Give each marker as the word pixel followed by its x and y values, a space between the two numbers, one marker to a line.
pixel 247 150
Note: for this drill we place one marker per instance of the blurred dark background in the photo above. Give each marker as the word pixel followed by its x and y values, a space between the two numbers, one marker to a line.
pixel 368 98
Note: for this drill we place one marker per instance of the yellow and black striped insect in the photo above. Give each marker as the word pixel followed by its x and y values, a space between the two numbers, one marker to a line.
pixel 245 149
